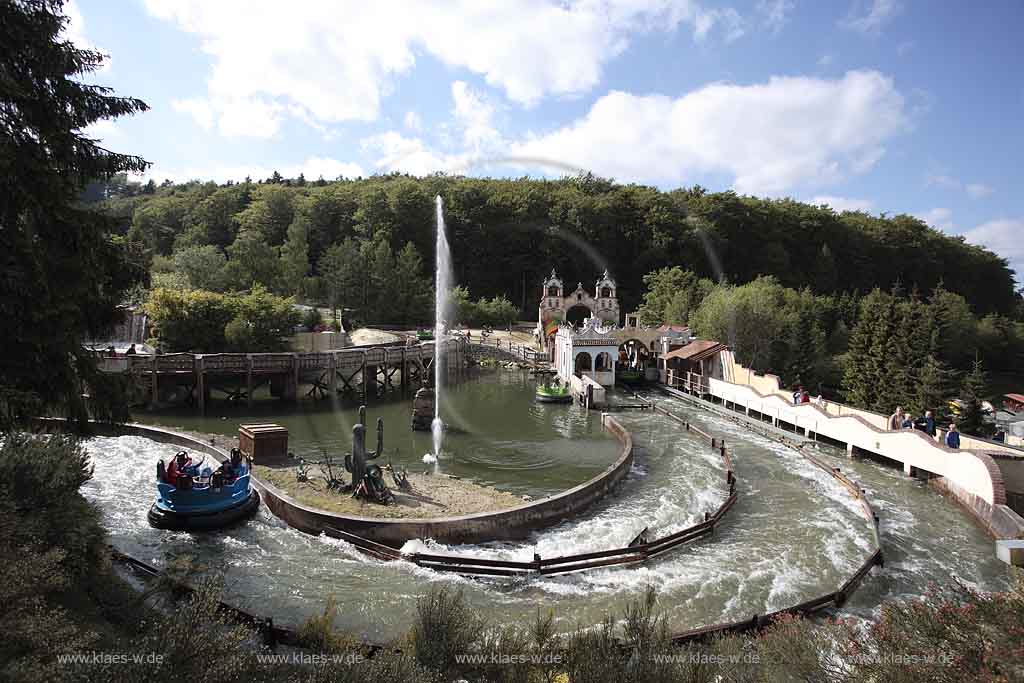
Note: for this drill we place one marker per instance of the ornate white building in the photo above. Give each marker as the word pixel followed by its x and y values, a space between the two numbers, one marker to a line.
pixel 589 351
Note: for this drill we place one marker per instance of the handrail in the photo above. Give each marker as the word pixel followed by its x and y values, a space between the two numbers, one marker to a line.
pixel 275 360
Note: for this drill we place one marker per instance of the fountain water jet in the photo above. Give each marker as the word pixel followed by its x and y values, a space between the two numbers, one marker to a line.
pixel 442 294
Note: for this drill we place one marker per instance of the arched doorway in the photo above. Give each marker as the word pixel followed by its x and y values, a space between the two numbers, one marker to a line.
pixel 603 362
pixel 582 363
pixel 633 354
pixel 577 314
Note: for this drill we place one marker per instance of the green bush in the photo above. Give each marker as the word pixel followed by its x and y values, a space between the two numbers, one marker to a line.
pixel 208 322
pixel 312 318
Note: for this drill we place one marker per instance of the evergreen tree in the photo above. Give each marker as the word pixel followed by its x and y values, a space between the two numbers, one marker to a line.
pixel 825 272
pixel 909 346
pixel 957 327
pixel 295 256
pixel 63 273
pixel 252 261
pixel 972 391
pixel 934 389
pixel 342 272
pixel 413 291
pixel 880 368
pixel 379 303
pixel 862 373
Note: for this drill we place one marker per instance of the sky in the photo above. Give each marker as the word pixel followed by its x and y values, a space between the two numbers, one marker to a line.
pixel 886 106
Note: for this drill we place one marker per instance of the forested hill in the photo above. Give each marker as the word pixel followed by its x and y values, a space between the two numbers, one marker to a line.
pixel 507 234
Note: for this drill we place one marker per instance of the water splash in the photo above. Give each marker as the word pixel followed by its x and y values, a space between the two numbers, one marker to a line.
pixel 442 314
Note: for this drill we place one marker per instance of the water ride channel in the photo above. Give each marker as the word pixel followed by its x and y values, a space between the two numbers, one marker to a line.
pixel 793 534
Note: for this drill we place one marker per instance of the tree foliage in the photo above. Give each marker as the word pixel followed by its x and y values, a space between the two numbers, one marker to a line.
pixel 507 234
pixel 63 274
pixel 209 322
pixel 671 295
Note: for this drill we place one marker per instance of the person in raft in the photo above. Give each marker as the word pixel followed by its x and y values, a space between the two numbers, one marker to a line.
pixel 177 467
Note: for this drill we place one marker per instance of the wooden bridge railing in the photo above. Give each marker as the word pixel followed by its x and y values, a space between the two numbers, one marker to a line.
pixel 286 361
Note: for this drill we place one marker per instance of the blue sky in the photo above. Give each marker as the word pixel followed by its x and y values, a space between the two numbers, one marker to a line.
pixel 895 106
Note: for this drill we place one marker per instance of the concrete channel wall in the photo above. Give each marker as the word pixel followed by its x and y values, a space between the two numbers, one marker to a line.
pixel 973 477
pixel 513 523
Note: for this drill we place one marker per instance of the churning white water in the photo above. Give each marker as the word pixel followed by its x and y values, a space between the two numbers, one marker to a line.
pixel 793 535
pixel 442 316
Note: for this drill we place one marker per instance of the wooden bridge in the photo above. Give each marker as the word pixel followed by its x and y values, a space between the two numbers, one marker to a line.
pixel 371 369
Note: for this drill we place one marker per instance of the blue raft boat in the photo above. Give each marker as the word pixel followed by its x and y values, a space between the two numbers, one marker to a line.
pixel 190 499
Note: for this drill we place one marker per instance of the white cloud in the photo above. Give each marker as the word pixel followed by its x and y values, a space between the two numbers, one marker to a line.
pixel 726 18
pixel 770 136
pixel 775 13
pixel 1005 237
pixel 199 109
pixel 940 218
pixel 312 168
pixel 74 30
pixel 979 190
pixel 395 152
pixel 871 19
pixel 336 61
pixel 101 130
pixel 843 203
pixel 235 117
pixel 413 121
pixel 942 180
pixel 825 60
pixel 473 114
pixel 948 182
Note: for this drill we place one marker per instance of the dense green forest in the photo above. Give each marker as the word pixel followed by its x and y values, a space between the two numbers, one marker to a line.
pixel 876 351
pixel 341 241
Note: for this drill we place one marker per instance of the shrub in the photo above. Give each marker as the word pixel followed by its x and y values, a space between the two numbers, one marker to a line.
pixel 445 626
pixel 312 318
pixel 201 321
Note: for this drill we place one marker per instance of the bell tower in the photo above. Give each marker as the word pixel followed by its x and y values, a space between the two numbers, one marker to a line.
pixel 551 298
pixel 607 299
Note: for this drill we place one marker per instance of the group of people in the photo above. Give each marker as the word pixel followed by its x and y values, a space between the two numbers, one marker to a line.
pixel 111 352
pixel 183 473
pixel 900 420
pixel 897 421
pixel 801 395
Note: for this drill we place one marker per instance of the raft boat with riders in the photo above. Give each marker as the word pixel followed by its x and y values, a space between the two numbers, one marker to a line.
pixel 553 392
pixel 194 497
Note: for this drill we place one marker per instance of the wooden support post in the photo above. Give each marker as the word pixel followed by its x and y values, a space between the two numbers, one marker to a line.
pixel 200 384
pixel 369 381
pixel 332 370
pixel 248 380
pixel 405 371
pixel 156 381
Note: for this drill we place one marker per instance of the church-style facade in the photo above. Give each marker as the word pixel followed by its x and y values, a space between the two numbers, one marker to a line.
pixel 557 307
